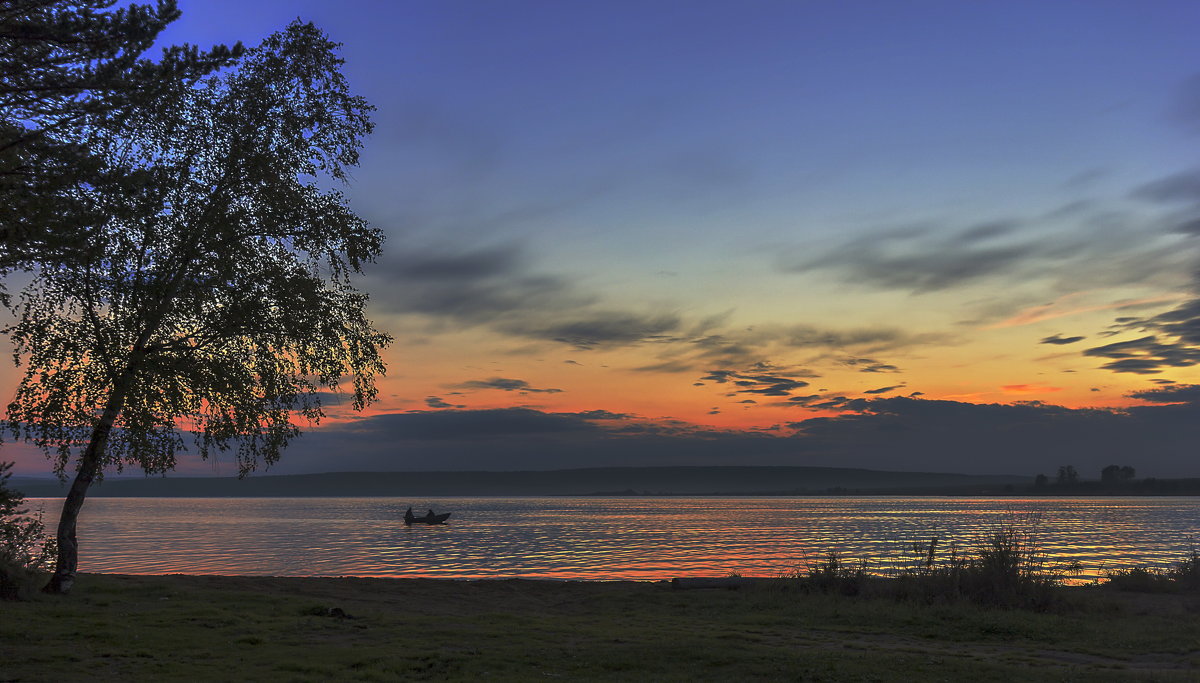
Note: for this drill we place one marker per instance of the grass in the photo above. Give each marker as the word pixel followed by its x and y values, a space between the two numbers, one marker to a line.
pixel 307 629
pixel 991 609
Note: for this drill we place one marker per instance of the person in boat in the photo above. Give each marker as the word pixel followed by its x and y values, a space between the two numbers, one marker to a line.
pixel 408 515
pixel 430 516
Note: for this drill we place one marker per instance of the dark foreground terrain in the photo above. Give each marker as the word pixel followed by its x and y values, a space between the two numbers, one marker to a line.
pixel 165 628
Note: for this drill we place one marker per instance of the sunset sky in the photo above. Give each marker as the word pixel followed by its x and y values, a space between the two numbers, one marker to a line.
pixel 955 236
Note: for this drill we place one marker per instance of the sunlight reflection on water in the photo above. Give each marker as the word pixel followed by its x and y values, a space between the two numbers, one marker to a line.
pixel 598 538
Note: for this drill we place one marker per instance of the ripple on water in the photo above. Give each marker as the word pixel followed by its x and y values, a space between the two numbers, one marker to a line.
pixel 603 538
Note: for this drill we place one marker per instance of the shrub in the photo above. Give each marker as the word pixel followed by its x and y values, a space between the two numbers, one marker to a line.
pixel 1186 574
pixel 1139 580
pixel 1005 567
pixel 831 575
pixel 1183 577
pixel 25 550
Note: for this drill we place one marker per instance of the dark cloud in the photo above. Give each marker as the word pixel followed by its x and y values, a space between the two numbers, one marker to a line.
pixel 1187 223
pixel 1090 247
pixel 755 383
pixel 895 433
pixel 1180 187
pixel 469 424
pixel 438 403
pixel 1185 109
pixel 874 338
pixel 506 384
pixel 450 266
pixel 1179 194
pixel 331 398
pixel 1060 340
pixel 819 401
pixel 870 365
pixel 750 349
pixel 1180 393
pixel 493 287
pixel 883 390
pixel 718 349
pixel 667 366
pixel 602 415
pixel 473 287
pixel 918 259
pixel 986 231
pixel 1144 356
pixel 1026 437
pixel 600 328
pixel 1181 323
pixel 1174 342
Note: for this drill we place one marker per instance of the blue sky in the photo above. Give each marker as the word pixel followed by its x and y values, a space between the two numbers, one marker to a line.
pixel 732 222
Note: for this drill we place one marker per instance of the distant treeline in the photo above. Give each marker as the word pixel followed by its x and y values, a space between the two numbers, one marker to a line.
pixel 1141 487
pixel 622 481
pixel 574 482
pixel 1149 486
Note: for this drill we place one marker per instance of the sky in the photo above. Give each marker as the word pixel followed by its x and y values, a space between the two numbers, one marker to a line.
pixel 925 236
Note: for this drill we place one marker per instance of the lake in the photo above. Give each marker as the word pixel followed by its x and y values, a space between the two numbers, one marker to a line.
pixel 596 538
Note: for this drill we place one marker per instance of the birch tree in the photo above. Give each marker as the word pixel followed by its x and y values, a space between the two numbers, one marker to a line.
pixel 220 301
pixel 63 64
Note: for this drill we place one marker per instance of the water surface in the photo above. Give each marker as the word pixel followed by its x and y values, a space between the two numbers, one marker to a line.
pixel 601 538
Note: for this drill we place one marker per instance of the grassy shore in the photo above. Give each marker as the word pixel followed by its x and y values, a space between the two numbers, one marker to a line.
pixel 312 629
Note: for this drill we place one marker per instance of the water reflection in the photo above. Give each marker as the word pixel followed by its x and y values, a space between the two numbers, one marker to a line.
pixel 599 538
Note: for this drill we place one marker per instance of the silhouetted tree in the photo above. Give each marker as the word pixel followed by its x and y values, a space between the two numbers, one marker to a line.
pixel 1116 474
pixel 1040 481
pixel 221 300
pixel 67 69
pixel 1067 476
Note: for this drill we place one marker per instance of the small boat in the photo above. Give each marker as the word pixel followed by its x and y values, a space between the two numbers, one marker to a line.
pixel 411 519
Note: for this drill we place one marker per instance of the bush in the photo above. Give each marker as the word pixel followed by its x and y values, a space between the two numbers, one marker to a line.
pixel 1186 574
pixel 1181 578
pixel 1139 580
pixel 25 551
pixel 1003 568
pixel 833 575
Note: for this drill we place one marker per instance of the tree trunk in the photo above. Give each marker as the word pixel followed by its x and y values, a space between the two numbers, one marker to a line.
pixel 90 464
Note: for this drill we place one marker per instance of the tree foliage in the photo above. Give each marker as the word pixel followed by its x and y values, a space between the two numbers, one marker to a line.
pixel 1116 474
pixel 1067 476
pixel 64 66
pixel 220 301
pixel 222 294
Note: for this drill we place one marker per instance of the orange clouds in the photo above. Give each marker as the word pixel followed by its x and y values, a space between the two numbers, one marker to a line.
pixel 1064 306
pixel 1028 389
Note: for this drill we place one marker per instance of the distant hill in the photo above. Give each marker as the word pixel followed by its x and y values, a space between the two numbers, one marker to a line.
pixel 591 481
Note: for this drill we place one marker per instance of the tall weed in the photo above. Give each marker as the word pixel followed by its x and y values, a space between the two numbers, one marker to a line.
pixel 1003 567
